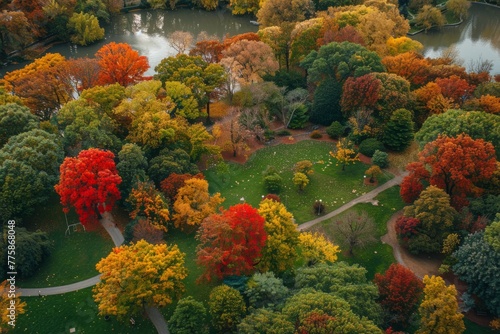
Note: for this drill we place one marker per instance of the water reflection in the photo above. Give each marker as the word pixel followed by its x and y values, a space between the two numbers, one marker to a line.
pixel 477 38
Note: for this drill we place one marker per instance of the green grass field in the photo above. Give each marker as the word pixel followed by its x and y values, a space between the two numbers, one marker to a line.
pixel 59 313
pixel 328 183
pixel 376 257
pixel 73 257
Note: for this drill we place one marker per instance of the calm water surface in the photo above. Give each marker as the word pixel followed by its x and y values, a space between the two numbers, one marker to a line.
pixel 476 38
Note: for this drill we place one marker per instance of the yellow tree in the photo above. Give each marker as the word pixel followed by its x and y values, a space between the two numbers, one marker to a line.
pixel 147 201
pixel 194 203
pixel 11 305
pixel 279 253
pixel 137 276
pixel 300 180
pixel 344 153
pixel 317 249
pixel 439 310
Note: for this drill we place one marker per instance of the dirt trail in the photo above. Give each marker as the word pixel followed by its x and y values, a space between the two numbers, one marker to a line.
pixel 420 265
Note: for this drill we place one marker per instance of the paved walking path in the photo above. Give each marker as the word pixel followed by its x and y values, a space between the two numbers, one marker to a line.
pixel 366 198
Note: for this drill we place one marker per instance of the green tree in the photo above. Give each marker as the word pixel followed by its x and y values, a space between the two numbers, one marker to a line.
pixel 459 8
pixel 478 264
pixel 137 276
pixel 190 317
pixel 186 104
pixel 15 119
pixel 326 103
pixel 380 159
pixel 429 17
pixel 398 132
pixel 338 61
pixel 85 29
pixel 131 166
pixel 31 249
pixel 240 7
pixel 168 162
pixel 201 77
pixel 344 281
pixel 279 253
pixel 266 291
pixel 439 310
pixel 492 233
pixel 226 308
pixel 299 307
pixel 263 320
pixel 476 124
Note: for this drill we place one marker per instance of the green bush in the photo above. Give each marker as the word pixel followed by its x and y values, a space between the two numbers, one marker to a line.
pixel 283 133
pixel 316 134
pixel 335 130
pixel 369 146
pixel 273 183
pixel 300 118
pixel 380 159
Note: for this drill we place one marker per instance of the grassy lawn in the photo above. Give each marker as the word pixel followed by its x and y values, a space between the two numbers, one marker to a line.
pixel 73 257
pixel 377 257
pixel 473 328
pixel 328 183
pixel 59 313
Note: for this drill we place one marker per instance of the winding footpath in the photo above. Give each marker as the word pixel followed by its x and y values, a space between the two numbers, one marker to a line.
pixel 153 313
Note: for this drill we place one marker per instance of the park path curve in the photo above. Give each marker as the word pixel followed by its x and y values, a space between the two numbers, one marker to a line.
pixel 116 235
pixel 366 198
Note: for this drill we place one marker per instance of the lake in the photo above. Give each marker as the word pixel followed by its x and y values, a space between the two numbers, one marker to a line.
pixel 476 38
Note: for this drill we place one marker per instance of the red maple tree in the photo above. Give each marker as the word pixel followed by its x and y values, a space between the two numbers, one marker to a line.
pixel 400 291
pixel 89 183
pixel 455 88
pixel 119 63
pixel 231 242
pixel 458 165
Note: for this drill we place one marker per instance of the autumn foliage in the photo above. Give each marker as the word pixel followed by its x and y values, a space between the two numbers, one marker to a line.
pixel 456 165
pixel 89 183
pixel 119 63
pixel 400 291
pixel 171 185
pixel 231 242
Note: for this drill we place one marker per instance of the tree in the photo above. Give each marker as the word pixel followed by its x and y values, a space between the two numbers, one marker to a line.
pixel 171 185
pixel 189 317
pixel 476 124
pixel 300 180
pixel 429 17
pixel 459 8
pixel 15 119
pixel 40 85
pixel 399 293
pixel 142 229
pixel 15 33
pixel 119 63
pixel 373 172
pixel 439 310
pixel 226 308
pixel 131 167
pixel 492 233
pixel 32 248
pixel 410 65
pixel 201 77
pixel 89 183
pixel 265 291
pixel 380 159
pixel 83 73
pixel 402 44
pixel 345 281
pixel 355 230
pixel 457 165
pixel 181 41
pixel 300 306
pixel 209 50
pixel 194 203
pixel 278 12
pixel 344 153
pixel 477 264
pixel 455 88
pixel 279 253
pixel 146 201
pixel 6 300
pixel 140 275
pixel 360 92
pixel 263 320
pixel 231 242
pixel 317 249
pixel 186 104
pixel 85 29
pixel 240 7
pixel 249 61
pixel 486 103
pixel 398 132
pixel 338 61
pixel 168 162
pixel 394 94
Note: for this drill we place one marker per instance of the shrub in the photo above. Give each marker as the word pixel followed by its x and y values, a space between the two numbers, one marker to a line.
pixel 273 183
pixel 369 146
pixel 335 130
pixel 300 118
pixel 283 133
pixel 380 159
pixel 269 134
pixel 316 134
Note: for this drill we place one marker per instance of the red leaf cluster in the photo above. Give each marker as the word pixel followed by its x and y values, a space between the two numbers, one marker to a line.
pixel 89 183
pixel 406 227
pixel 171 185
